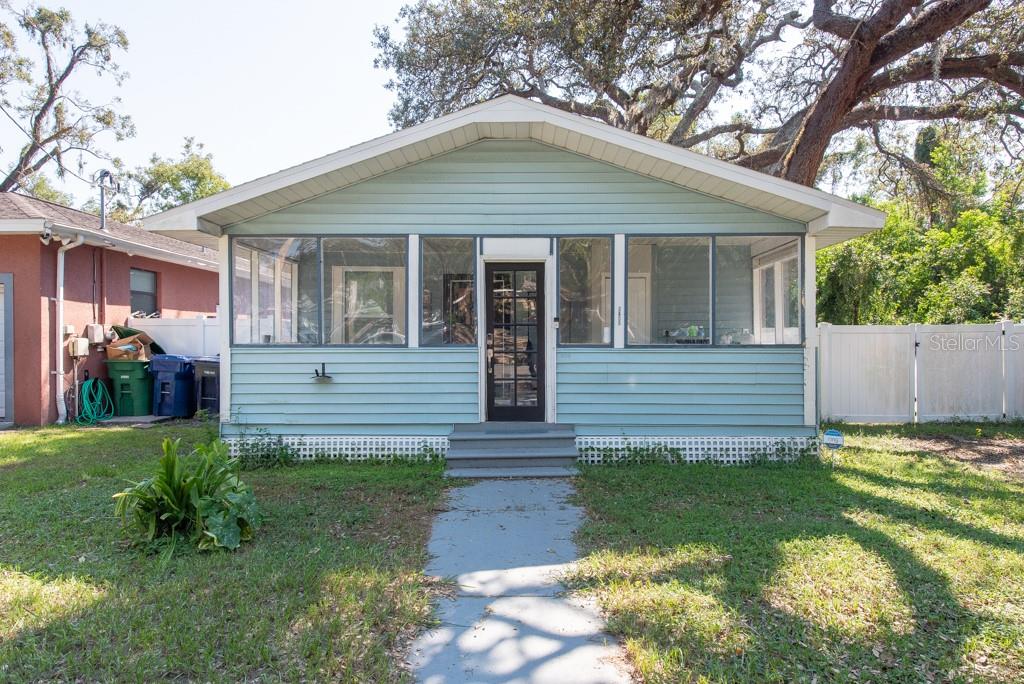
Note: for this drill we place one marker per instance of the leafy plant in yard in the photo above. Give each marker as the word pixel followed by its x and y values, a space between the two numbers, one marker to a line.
pixel 265 451
pixel 197 496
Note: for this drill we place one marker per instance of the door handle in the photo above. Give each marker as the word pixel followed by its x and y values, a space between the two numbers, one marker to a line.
pixel 489 353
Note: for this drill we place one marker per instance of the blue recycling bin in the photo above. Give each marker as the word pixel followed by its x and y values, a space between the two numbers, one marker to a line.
pixel 173 385
pixel 207 383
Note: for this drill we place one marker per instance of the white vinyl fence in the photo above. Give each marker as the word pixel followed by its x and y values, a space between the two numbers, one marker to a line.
pixel 908 373
pixel 187 336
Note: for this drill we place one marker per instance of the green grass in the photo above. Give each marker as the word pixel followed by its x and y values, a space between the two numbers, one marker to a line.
pixel 957 429
pixel 328 589
pixel 890 565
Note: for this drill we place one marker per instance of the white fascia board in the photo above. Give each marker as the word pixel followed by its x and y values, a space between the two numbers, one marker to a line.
pixel 842 216
pixel 98 238
pixel 511 109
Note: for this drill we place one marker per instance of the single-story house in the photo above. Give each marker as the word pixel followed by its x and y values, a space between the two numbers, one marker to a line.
pixel 61 271
pixel 513 262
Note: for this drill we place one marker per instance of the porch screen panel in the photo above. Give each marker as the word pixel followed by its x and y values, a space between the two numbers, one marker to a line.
pixel 757 290
pixel 585 290
pixel 365 290
pixel 275 291
pixel 668 292
pixel 449 281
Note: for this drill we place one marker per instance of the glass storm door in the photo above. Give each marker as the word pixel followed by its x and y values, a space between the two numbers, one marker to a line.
pixel 514 353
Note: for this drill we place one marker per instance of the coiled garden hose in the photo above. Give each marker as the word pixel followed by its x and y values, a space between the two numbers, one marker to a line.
pixel 96 403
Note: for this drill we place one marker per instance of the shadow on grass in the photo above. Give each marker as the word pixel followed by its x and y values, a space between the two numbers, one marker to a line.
pixel 328 588
pixel 826 574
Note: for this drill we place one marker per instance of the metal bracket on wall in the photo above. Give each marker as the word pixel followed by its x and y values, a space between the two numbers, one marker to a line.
pixel 320 374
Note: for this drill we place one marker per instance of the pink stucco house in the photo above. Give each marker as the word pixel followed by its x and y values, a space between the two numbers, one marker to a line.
pixel 59 264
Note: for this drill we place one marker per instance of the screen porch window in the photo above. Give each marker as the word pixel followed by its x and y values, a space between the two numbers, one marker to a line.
pixel 365 290
pixel 142 291
pixel 274 289
pixel 668 291
pixel 449 282
pixel 757 290
pixel 585 290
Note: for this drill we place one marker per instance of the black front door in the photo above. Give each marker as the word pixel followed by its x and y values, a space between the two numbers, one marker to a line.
pixel 515 341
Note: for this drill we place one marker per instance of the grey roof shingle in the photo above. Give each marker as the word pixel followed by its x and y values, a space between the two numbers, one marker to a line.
pixel 14 205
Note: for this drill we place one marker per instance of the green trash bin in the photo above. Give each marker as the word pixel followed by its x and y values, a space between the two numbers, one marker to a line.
pixel 132 387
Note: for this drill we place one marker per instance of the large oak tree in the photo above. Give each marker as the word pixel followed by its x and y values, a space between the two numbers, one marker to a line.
pixel 770 84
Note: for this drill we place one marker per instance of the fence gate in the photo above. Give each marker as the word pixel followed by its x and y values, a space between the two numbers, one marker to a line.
pixel 894 374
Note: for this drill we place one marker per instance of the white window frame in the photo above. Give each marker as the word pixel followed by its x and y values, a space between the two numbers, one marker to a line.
pixel 775 260
pixel 337 295
pixel 252 255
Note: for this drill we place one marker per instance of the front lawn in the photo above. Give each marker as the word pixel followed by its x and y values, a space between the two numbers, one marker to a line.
pixel 328 589
pixel 896 564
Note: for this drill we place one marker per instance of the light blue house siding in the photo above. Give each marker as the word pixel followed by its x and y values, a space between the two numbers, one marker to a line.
pixel 372 392
pixel 517 188
pixel 673 392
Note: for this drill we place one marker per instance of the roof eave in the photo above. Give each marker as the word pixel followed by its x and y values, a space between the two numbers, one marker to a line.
pixel 523 114
pixel 98 238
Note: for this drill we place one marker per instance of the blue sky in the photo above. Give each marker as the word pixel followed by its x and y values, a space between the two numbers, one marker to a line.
pixel 264 85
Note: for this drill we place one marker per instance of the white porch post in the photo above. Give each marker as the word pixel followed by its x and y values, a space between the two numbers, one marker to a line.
pixel 810 333
pixel 412 320
pixel 225 315
pixel 619 300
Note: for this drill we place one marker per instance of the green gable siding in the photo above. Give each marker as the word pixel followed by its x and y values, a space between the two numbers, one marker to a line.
pixel 373 392
pixel 672 391
pixel 514 188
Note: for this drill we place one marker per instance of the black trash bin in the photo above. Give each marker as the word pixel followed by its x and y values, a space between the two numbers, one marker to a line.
pixel 173 385
pixel 207 383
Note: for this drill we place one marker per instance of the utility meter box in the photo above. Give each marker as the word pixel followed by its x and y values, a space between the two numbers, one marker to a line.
pixel 94 333
pixel 79 347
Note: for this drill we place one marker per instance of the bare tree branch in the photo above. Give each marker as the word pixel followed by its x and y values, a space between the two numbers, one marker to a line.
pixel 994 67
pixel 868 113
pixel 824 19
pixel 741 128
pixel 930 25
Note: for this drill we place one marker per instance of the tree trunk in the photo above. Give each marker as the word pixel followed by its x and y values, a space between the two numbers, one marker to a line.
pixel 823 120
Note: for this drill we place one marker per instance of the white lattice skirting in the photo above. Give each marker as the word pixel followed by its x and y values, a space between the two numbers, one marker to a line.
pixel 355 448
pixel 593 450
pixel 724 450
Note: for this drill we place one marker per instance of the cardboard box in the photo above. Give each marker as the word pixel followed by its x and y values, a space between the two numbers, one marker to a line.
pixel 134 348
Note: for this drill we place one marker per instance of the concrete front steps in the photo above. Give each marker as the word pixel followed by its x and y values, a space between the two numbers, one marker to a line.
pixel 512 450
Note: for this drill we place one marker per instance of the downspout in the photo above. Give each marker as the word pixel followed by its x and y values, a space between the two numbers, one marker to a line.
pixel 58 337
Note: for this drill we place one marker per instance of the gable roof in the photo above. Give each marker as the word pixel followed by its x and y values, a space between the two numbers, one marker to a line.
pixel 832 219
pixel 22 213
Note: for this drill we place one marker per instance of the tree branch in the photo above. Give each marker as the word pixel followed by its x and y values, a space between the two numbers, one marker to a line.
pixel 742 128
pixel 868 113
pixel 707 93
pixel 995 67
pixel 839 25
pixel 929 26
pixel 759 161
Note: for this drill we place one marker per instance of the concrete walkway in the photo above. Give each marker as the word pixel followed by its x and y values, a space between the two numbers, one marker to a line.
pixel 506 542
